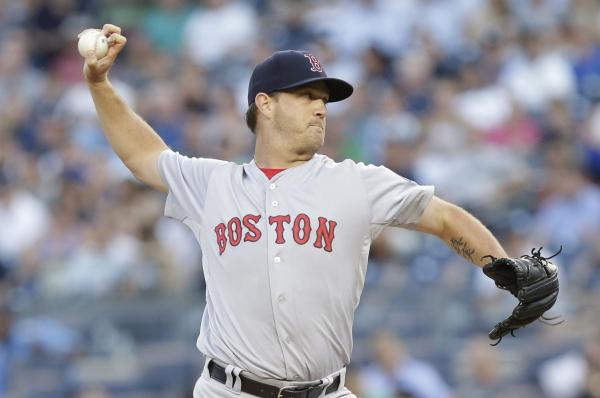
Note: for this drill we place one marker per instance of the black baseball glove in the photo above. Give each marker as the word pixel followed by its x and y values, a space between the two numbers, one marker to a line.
pixel 533 280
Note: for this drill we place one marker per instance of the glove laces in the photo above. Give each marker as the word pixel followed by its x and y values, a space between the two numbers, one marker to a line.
pixel 537 254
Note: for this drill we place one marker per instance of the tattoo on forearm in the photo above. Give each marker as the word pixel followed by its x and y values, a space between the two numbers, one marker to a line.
pixel 462 248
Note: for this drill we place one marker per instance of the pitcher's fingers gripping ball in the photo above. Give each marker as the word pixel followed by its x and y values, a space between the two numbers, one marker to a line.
pixel 92 40
pixel 533 280
pixel 100 49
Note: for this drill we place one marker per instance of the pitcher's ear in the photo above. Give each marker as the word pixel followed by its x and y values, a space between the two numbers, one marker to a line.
pixel 264 103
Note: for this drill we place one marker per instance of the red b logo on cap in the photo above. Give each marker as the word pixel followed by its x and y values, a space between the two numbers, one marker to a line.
pixel 314 63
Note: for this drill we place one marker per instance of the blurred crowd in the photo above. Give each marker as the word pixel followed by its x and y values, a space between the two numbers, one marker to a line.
pixel 495 102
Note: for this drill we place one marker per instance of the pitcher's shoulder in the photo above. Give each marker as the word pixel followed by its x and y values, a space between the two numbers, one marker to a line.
pixel 346 164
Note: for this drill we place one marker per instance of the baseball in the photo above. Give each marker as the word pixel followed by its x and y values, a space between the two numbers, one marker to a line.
pixel 92 39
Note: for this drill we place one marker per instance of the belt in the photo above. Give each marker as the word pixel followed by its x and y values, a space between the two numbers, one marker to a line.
pixel 263 390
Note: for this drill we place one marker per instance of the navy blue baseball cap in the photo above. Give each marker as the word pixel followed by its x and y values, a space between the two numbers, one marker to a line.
pixel 288 69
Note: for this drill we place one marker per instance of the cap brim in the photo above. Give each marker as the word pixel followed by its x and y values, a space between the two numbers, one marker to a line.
pixel 338 89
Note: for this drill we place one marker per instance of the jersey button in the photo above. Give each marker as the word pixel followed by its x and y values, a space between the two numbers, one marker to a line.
pixel 272 187
pixel 288 340
pixel 275 203
pixel 277 259
pixel 281 298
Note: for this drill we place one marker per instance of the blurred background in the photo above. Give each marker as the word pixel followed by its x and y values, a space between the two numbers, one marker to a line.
pixel 495 102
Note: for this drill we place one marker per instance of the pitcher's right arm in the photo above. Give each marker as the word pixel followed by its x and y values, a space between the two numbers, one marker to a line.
pixel 132 139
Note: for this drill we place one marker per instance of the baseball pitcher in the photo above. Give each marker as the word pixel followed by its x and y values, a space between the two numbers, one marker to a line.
pixel 285 238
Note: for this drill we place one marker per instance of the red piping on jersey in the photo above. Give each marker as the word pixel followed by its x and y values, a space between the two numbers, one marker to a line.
pixel 270 173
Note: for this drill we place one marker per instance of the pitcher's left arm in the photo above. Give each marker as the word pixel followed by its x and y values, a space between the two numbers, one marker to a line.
pixel 460 230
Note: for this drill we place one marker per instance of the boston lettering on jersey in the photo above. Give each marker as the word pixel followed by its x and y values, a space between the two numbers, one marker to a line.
pixel 246 229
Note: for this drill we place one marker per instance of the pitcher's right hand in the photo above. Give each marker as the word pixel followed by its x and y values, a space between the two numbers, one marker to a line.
pixel 96 70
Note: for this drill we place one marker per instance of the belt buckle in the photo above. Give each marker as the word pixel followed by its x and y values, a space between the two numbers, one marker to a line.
pixel 285 388
pixel 297 389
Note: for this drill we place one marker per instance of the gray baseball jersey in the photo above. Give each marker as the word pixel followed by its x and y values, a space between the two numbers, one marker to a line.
pixel 285 259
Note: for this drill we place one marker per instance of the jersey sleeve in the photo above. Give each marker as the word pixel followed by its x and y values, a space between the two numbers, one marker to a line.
pixel 393 199
pixel 187 179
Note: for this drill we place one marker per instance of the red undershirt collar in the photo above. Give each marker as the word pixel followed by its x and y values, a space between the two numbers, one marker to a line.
pixel 270 173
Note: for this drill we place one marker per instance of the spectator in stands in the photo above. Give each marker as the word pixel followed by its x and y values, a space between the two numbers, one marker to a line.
pixel 574 373
pixel 223 29
pixel 12 351
pixel 395 373
pixel 569 211
pixel 164 23
pixel 24 219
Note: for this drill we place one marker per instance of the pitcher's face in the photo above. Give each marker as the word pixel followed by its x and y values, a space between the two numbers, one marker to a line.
pixel 300 115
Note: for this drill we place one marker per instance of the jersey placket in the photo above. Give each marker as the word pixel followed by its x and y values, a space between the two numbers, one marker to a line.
pixel 277 262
